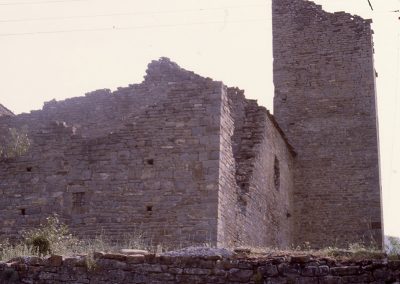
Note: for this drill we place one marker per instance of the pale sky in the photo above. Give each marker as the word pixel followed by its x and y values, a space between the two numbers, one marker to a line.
pixel 55 49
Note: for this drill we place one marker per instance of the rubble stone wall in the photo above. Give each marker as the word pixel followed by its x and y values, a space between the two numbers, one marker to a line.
pixel 252 209
pixel 4 111
pixel 157 171
pixel 325 104
pixel 182 158
pixel 109 268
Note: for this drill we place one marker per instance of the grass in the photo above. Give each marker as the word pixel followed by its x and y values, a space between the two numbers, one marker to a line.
pixel 53 237
pixel 354 252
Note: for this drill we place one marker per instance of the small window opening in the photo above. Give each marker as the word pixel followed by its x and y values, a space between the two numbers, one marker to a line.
pixel 277 174
pixel 376 225
pixel 28 169
pixel 149 208
pixel 150 162
pixel 23 212
pixel 78 202
pixel 288 215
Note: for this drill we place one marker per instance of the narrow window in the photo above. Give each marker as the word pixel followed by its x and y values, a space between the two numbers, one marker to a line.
pixel 277 174
pixel 376 225
pixel 23 212
pixel 150 162
pixel 149 208
pixel 28 169
pixel 78 202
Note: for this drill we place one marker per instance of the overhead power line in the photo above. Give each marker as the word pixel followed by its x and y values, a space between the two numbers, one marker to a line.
pixel 370 5
pixel 126 14
pixel 39 2
pixel 130 28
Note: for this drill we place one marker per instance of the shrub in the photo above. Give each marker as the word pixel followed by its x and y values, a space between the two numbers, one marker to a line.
pixel 51 237
pixel 40 245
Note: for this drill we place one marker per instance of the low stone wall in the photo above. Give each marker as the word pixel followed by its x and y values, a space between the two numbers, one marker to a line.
pixel 119 268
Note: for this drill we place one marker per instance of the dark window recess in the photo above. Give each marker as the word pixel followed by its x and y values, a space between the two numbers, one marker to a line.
pixel 23 212
pixel 149 208
pixel 288 215
pixel 376 225
pixel 277 174
pixel 28 169
pixel 78 202
pixel 150 162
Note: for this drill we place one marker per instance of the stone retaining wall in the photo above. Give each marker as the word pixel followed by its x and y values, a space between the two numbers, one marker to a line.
pixel 118 268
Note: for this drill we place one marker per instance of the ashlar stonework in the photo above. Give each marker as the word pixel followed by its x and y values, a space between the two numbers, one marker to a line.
pixel 188 160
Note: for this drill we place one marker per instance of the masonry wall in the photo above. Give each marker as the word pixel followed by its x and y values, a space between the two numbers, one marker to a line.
pixel 182 158
pixel 325 104
pixel 115 268
pixel 252 209
pixel 4 111
pixel 156 172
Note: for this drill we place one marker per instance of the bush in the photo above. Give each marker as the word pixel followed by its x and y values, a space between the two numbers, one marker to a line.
pixel 51 237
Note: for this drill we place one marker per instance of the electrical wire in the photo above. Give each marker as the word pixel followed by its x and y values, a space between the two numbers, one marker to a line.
pixel 39 2
pixel 130 28
pixel 126 14
pixel 370 5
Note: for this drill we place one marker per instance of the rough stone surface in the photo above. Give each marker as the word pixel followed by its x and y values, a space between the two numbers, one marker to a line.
pixel 112 162
pixel 184 160
pixel 174 158
pixel 4 111
pixel 325 103
pixel 199 269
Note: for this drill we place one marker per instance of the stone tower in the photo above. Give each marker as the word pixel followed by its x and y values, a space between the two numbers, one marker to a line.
pixel 325 103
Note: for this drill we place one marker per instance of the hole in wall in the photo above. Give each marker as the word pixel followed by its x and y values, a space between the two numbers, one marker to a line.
pixel 376 225
pixel 288 215
pixel 22 211
pixel 277 174
pixel 28 169
pixel 149 208
pixel 150 161
pixel 78 202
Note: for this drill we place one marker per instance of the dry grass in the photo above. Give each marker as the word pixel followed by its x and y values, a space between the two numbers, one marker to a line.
pixel 56 235
pixel 355 252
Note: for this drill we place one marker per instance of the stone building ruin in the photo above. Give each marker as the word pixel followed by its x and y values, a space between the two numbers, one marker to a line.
pixel 191 161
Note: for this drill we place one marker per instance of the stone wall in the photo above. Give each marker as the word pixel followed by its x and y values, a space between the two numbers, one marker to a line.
pixel 114 268
pixel 157 171
pixel 183 158
pixel 252 209
pixel 325 103
pixel 4 111
pixel 263 207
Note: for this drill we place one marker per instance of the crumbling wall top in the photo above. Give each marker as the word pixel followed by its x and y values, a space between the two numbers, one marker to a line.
pixel 309 9
pixel 5 111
